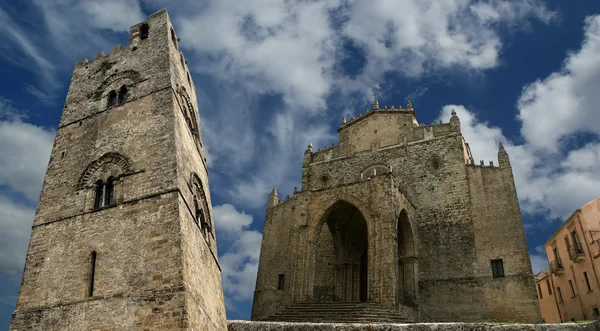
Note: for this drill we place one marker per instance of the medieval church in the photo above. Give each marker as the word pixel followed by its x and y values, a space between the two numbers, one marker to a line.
pixel 396 223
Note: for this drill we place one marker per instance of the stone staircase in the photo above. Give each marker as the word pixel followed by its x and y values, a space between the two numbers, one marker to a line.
pixel 342 312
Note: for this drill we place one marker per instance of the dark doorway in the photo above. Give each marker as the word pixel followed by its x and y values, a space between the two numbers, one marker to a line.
pixel 364 272
pixel 341 265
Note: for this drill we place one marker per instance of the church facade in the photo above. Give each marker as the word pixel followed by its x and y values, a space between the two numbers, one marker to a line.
pixel 399 216
pixel 123 237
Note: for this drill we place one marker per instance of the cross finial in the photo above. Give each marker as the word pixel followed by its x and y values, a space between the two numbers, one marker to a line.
pixel 375 103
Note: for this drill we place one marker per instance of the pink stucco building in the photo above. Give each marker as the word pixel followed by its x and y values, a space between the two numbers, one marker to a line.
pixel 574 258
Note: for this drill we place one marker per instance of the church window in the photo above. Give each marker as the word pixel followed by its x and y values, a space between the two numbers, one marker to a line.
pixel 189 80
pixel 112 99
pixel 281 282
pixel 144 29
pixel 123 95
pixel 182 61
pixel 109 192
pixel 99 202
pixel 173 38
pixel 105 193
pixel 497 268
pixel 92 274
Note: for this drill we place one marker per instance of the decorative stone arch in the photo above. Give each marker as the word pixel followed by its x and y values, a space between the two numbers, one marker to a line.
pixel 201 201
pixel 406 266
pixel 345 226
pixel 127 78
pixel 375 170
pixel 189 111
pixel 107 162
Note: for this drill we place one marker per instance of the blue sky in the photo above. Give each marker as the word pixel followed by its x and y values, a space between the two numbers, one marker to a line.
pixel 273 76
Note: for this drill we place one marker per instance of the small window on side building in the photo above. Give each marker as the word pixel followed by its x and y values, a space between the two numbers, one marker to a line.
pixel 281 282
pixel 572 288
pixel 560 298
pixel 587 281
pixel 497 268
pixel 540 291
pixel 549 287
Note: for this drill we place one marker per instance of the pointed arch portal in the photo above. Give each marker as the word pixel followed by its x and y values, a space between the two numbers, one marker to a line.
pixel 341 256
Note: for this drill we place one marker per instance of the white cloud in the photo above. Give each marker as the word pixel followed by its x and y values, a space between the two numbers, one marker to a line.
pixel 15 220
pixel 565 102
pixel 24 153
pixel 239 259
pixel 538 262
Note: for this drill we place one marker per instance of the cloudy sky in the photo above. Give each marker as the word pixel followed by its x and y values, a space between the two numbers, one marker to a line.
pixel 273 76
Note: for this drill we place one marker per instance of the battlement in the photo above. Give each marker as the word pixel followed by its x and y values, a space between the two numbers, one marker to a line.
pixel 136 34
pixel 380 129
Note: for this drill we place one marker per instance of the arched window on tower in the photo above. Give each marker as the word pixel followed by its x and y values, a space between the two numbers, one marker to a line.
pixel 109 192
pixel 99 200
pixel 182 61
pixel 189 81
pixel 144 29
pixel 112 98
pixel 123 95
pixel 105 193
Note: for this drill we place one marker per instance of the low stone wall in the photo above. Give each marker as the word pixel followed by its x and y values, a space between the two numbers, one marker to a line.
pixel 283 326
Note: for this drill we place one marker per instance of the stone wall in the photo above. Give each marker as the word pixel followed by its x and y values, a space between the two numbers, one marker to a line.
pixel 276 326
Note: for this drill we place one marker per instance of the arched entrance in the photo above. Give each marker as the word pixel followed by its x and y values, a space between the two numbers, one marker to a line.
pixel 341 256
pixel 407 262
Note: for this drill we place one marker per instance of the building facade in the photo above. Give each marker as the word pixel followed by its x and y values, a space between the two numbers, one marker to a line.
pixel 123 237
pixel 573 254
pixel 398 215
pixel 546 295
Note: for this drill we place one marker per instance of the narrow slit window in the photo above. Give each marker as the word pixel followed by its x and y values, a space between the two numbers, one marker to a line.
pixel 587 281
pixel 572 288
pixel 144 30
pixel 540 291
pixel 112 99
pixel 182 61
pixel 281 282
pixel 497 268
pixel 549 287
pixel 560 298
pixel 189 80
pixel 123 95
pixel 92 274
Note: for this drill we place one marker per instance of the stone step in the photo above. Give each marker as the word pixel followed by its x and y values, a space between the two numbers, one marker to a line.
pixel 339 312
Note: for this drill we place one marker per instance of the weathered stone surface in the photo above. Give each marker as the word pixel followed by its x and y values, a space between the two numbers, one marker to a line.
pixel 276 326
pixel 398 214
pixel 155 265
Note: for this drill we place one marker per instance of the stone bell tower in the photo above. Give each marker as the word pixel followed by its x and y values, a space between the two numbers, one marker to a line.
pixel 123 236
